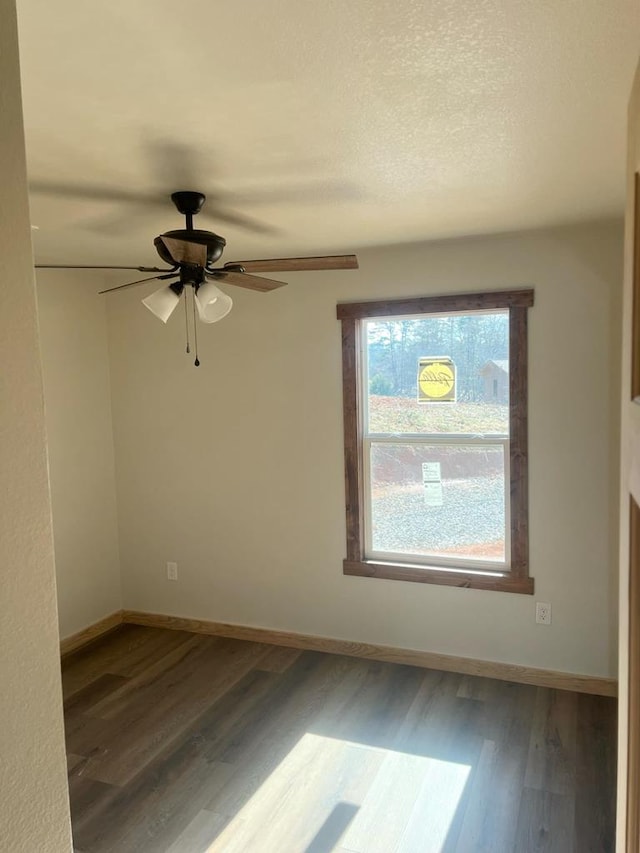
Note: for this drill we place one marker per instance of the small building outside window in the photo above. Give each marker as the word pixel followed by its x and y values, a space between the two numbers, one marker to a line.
pixel 495 374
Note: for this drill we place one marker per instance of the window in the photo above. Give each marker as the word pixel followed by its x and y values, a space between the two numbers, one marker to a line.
pixel 435 423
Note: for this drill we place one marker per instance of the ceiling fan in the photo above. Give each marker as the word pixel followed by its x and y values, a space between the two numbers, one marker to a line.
pixel 191 254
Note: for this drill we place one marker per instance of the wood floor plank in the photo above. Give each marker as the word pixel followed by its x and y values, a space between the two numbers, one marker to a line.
pixel 280 715
pixel 447 731
pixel 311 684
pixel 477 823
pixel 279 658
pixel 86 735
pixel 73 761
pixel 176 699
pixel 366 701
pixel 296 801
pixel 133 688
pixel 545 823
pixel 165 818
pixel 439 724
pixel 90 734
pixel 151 812
pixel 125 651
pixel 223 725
pixel 439 797
pixel 145 655
pixel 595 774
pixel 333 828
pixel 509 706
pixel 87 798
pixel 473 687
pixel 552 748
pixel 394 791
pixel 87 697
pixel 199 834
pixel 489 823
pixel 375 711
pixel 151 805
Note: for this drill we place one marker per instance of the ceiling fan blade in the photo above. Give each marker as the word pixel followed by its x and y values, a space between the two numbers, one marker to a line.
pixel 140 281
pixel 219 214
pixel 95 192
pixel 137 217
pixel 139 204
pixel 82 267
pixel 310 193
pixel 252 282
pixel 186 253
pixel 329 262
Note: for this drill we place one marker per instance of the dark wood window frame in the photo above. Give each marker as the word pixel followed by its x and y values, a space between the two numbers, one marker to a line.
pixel 516 579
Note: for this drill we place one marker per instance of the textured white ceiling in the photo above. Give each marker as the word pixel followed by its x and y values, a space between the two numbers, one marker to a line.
pixel 337 123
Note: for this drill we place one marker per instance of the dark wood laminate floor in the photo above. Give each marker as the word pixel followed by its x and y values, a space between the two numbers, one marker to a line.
pixel 184 744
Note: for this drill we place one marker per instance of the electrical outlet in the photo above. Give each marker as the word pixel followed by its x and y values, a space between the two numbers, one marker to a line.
pixel 172 571
pixel 543 613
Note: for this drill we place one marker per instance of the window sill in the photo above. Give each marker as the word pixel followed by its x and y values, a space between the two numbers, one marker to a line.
pixel 469 580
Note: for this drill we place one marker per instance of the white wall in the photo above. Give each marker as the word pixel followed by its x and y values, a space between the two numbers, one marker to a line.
pixel 73 340
pixel 235 469
pixel 34 811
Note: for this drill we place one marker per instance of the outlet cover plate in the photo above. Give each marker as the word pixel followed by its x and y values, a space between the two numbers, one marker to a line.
pixel 172 571
pixel 543 613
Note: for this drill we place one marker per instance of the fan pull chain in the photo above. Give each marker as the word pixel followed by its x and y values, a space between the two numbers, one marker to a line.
pixel 186 320
pixel 195 329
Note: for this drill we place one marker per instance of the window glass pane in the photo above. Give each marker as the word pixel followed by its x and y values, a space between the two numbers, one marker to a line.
pixel 438 500
pixel 439 374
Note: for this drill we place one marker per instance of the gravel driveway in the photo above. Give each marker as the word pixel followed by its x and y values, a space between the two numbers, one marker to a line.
pixel 472 515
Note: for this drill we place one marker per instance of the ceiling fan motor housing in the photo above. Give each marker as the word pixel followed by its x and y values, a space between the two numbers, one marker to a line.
pixel 188 202
pixel 214 243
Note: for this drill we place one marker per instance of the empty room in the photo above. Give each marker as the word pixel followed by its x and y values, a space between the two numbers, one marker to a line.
pixel 320 427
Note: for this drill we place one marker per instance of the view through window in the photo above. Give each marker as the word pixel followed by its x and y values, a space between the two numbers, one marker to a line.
pixel 436 438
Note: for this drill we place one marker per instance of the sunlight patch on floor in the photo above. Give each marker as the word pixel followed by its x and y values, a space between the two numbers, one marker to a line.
pixel 397 802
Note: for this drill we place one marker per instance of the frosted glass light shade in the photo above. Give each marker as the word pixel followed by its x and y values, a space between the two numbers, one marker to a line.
pixel 162 303
pixel 212 303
